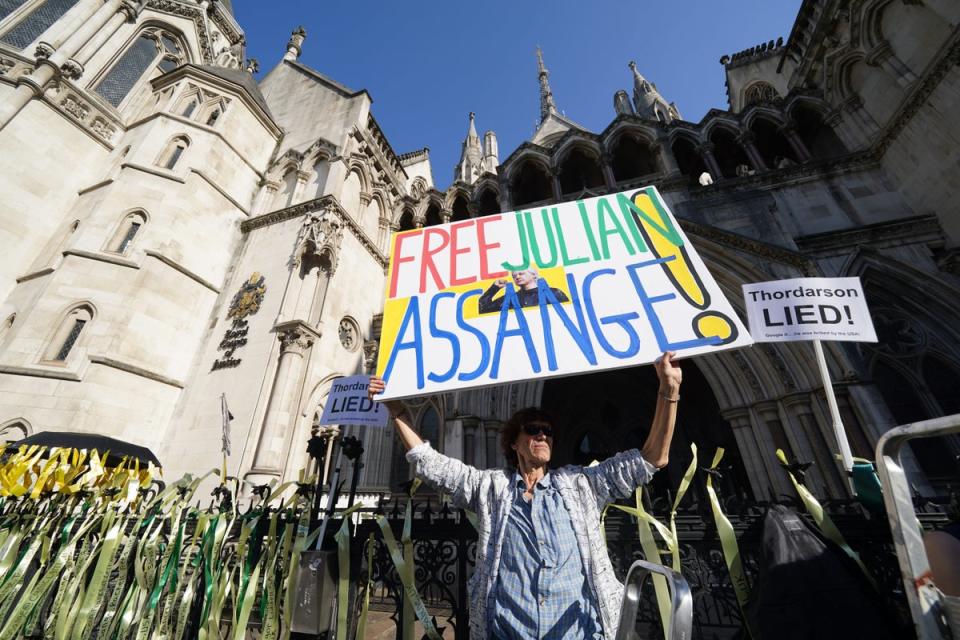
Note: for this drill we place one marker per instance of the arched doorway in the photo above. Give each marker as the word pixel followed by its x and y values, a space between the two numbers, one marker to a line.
pixel 603 413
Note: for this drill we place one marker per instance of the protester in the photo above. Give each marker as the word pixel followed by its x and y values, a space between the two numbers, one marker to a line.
pixel 526 288
pixel 542 569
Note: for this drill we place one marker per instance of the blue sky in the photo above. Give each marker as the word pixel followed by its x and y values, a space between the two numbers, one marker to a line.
pixel 428 64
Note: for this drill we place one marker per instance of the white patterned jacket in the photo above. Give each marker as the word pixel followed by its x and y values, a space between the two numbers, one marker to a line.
pixel 585 491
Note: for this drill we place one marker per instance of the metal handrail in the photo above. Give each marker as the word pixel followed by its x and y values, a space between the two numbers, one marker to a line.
pixel 681 601
pixel 926 606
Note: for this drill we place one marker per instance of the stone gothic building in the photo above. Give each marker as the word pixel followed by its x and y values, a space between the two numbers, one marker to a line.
pixel 173 229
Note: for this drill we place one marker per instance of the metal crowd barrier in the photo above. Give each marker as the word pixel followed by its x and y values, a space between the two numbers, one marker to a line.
pixel 934 615
pixel 681 601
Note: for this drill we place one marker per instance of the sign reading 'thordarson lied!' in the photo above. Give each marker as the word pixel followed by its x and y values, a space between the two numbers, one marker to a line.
pixel 808 309
pixel 562 289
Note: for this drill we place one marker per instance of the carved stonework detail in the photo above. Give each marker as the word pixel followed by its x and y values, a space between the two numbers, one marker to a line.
pixel 349 334
pixel 295 339
pixel 72 69
pixel 43 51
pixel 6 65
pixel 320 234
pixel 897 335
pixel 248 299
pixel 245 303
pixel 72 105
pixel 370 350
pixel 103 128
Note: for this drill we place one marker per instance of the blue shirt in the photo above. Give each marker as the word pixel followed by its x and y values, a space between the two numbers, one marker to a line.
pixel 542 590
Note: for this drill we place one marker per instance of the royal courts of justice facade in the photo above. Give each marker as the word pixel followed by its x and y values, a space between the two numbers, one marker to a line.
pixel 173 228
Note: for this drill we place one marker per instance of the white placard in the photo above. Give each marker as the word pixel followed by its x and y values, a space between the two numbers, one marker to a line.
pixel 553 290
pixel 808 309
pixel 348 403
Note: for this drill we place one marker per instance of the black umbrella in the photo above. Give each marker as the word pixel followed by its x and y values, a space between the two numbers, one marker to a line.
pixel 69 440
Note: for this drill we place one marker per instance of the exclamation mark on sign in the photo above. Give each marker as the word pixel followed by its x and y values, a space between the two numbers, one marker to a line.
pixel 679 269
pixel 849 315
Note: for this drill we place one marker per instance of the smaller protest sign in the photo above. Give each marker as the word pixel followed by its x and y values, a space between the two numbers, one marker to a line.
pixel 348 403
pixel 808 309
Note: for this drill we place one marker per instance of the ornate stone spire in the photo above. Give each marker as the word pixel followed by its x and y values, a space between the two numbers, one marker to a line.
pixel 547 106
pixel 647 100
pixel 471 155
pixel 295 44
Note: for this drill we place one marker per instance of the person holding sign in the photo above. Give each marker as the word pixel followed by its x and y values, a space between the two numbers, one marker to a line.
pixel 528 293
pixel 542 569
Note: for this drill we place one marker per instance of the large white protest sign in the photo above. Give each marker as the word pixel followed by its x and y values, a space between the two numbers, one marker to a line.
pixel 347 403
pixel 581 286
pixel 808 309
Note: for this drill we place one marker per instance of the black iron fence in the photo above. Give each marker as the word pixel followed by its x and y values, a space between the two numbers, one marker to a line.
pixel 444 549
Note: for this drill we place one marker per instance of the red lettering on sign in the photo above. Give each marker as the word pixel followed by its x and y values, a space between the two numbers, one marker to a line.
pixel 427 257
pixel 399 259
pixel 484 247
pixel 455 251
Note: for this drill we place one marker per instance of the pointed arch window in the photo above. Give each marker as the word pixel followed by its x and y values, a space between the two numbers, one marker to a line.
pixel 153 52
pixel 39 20
pixel 127 232
pixel 69 333
pixel 172 153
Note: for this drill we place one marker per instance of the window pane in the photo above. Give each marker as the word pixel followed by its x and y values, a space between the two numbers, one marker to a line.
pixel 71 339
pixel 9 6
pixel 169 44
pixel 39 20
pixel 212 120
pixel 168 64
pixel 128 238
pixel 189 110
pixel 172 162
pixel 129 68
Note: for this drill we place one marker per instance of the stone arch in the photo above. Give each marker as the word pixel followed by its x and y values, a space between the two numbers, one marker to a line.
pixel 876 88
pixel 173 151
pixel 759 92
pixel 770 141
pixel 488 200
pixel 15 429
pixel 312 405
pixel 530 180
pixel 350 192
pixel 358 166
pixel 818 136
pixel 71 330
pixel 407 219
pixel 579 167
pixel 459 208
pixel 685 149
pixel 727 150
pixel 912 50
pixel 632 156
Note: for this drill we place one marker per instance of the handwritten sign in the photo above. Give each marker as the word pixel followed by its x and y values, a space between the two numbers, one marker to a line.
pixel 582 286
pixel 808 309
pixel 348 403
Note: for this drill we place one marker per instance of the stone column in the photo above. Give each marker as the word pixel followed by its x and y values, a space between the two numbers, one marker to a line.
pixel 750 452
pixel 127 13
pixel 706 152
pixel 298 189
pixel 383 232
pixel 506 195
pixel 295 339
pixel 789 131
pixel 555 185
pixel 446 215
pixel 606 165
pixel 864 122
pixel 668 164
pixel 748 140
pixel 51 59
pixel 264 199
pixel 835 120
pixel 882 56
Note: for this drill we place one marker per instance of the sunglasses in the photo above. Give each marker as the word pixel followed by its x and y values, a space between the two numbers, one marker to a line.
pixel 536 429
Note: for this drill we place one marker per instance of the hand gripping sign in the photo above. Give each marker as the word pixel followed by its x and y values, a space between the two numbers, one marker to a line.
pixel 582 286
